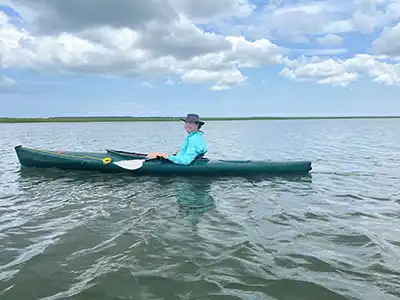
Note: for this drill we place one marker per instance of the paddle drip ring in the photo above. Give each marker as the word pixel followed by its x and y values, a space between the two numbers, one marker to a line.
pixel 106 160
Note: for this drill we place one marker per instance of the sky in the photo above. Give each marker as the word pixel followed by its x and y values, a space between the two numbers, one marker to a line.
pixel 211 57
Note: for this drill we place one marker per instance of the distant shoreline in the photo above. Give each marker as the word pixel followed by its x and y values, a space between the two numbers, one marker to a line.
pixel 173 119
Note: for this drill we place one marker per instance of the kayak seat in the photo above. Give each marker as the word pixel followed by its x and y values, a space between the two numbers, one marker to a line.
pixel 201 157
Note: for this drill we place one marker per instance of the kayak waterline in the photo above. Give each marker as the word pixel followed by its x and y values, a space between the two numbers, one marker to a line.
pixel 116 161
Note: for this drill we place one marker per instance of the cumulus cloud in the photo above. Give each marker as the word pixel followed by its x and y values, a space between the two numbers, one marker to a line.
pixel 388 43
pixel 223 79
pixel 57 16
pixel 7 84
pixel 343 72
pixel 297 21
pixel 208 11
pixel 320 52
pixel 169 38
pixel 293 22
pixel 3 19
pixel 150 39
pixel 330 40
pixel 325 71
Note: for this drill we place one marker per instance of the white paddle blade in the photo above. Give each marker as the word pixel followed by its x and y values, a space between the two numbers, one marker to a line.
pixel 132 164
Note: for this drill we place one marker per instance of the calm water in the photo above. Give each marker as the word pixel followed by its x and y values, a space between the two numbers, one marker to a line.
pixel 333 235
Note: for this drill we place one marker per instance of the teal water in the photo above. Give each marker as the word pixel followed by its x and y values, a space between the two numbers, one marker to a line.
pixel 332 235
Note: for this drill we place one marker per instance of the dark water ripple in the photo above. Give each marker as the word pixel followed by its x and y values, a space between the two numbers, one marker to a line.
pixel 333 235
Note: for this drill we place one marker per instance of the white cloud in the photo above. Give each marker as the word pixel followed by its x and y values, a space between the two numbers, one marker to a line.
pixel 388 43
pixel 3 19
pixel 342 79
pixel 57 16
pixel 222 79
pixel 297 21
pixel 326 71
pixel 330 40
pixel 6 81
pixel 148 85
pixel 7 84
pixel 169 82
pixel 157 38
pixel 181 39
pixel 382 72
pixel 343 72
pixel 320 52
pixel 94 45
pixel 208 11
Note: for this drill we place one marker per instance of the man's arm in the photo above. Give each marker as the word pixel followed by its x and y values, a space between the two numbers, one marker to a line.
pixel 176 151
pixel 154 155
pixel 193 150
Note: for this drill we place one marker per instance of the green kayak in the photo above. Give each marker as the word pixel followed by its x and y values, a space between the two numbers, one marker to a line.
pixel 136 164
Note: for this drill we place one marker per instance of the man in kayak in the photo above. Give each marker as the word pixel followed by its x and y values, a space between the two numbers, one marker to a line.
pixel 193 146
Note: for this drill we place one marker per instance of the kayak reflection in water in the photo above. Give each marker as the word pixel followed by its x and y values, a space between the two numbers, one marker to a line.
pixel 193 146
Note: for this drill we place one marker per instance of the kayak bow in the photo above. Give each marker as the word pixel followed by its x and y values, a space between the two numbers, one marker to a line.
pixel 136 163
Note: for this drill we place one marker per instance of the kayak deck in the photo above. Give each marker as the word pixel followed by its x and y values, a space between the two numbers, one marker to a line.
pixel 106 162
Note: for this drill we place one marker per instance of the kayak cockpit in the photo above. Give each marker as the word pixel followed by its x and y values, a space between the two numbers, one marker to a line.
pixel 134 155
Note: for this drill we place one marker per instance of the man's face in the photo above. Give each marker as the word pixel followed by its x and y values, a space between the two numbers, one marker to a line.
pixel 190 126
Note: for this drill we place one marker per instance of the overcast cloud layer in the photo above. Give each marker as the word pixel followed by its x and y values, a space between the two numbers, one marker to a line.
pixel 211 42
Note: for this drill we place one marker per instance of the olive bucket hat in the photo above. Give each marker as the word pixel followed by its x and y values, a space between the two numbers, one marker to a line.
pixel 193 118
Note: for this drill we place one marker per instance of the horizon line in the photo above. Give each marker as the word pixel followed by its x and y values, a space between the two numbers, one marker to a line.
pixel 169 118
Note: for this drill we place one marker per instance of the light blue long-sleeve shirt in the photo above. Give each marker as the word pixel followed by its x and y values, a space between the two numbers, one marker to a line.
pixel 193 145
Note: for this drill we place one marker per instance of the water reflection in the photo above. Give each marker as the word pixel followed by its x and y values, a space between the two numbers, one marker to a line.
pixel 194 196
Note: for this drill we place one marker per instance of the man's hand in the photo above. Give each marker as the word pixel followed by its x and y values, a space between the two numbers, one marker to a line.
pixel 153 155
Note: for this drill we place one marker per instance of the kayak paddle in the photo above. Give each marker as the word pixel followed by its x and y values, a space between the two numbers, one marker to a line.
pixel 132 164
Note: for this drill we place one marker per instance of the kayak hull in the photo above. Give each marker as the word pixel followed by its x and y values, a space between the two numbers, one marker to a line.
pixel 105 162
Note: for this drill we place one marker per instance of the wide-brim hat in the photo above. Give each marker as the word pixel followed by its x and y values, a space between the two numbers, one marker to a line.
pixel 193 118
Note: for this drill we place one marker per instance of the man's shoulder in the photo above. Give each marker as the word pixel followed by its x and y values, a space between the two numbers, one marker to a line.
pixel 198 139
pixel 198 136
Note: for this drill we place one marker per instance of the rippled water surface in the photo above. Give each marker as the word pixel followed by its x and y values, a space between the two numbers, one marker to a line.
pixel 332 235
